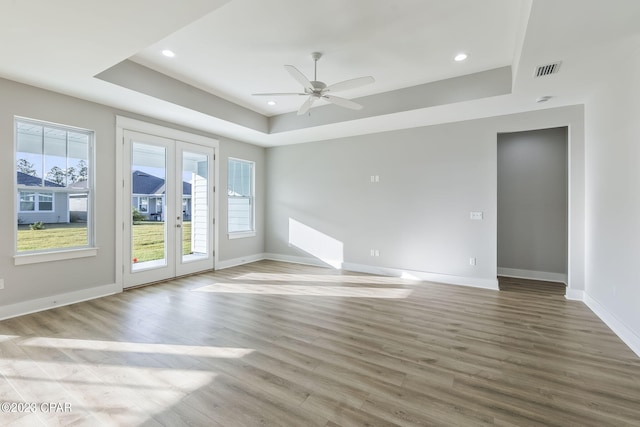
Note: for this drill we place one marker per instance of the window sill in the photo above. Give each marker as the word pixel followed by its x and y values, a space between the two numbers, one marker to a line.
pixel 241 235
pixel 54 256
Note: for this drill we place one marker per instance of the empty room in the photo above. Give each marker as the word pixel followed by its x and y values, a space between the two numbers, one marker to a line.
pixel 337 213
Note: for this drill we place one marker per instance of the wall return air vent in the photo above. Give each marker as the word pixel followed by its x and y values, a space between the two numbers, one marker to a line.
pixel 546 70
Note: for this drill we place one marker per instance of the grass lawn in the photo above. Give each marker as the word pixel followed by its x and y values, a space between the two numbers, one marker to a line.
pixel 52 237
pixel 148 238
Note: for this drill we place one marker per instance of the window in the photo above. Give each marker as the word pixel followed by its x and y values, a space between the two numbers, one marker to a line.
pixel 54 186
pixel 35 202
pixel 240 197
pixel 27 201
pixel 144 204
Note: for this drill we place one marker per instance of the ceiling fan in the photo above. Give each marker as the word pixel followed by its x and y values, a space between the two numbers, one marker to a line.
pixel 316 89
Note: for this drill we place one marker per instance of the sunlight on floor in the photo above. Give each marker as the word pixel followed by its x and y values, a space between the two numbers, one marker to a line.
pixel 329 278
pixel 102 393
pixel 132 347
pixel 7 337
pixel 106 382
pixel 302 290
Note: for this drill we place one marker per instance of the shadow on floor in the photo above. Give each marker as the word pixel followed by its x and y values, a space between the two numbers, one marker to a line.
pixel 513 284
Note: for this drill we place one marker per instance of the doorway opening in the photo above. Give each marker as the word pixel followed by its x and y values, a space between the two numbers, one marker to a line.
pixel 532 182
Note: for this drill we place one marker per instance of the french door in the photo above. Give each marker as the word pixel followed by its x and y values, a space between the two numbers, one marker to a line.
pixel 168 191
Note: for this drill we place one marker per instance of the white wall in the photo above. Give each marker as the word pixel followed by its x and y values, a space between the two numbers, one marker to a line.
pixel 612 118
pixel 33 286
pixel 417 216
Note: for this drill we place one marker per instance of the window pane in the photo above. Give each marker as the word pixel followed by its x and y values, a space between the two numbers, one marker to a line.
pixel 149 232
pixel 195 206
pixel 29 154
pixel 55 157
pixel 77 160
pixel 239 214
pixel 50 156
pixel 240 178
pixel 240 196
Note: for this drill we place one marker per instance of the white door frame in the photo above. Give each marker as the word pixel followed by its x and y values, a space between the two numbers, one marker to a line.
pixel 127 123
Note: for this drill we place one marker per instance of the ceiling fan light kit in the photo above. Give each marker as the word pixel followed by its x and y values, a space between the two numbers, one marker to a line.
pixel 316 89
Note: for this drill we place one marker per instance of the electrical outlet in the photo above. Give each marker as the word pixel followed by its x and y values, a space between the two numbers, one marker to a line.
pixel 472 261
pixel 477 216
pixel 374 252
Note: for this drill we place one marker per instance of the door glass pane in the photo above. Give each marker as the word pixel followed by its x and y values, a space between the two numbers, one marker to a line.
pixel 148 229
pixel 195 206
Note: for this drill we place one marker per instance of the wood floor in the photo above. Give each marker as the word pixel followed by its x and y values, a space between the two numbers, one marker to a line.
pixel 516 284
pixel 289 345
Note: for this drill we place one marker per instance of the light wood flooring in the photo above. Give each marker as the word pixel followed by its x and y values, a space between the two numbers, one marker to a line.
pixel 289 345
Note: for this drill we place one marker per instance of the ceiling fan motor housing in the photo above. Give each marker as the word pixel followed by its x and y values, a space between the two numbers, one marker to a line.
pixel 318 86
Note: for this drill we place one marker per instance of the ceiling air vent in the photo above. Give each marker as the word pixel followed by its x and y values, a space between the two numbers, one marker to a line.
pixel 545 70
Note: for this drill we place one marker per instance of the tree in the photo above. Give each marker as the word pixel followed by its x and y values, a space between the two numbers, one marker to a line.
pixel 26 167
pixel 72 176
pixel 56 175
pixel 82 171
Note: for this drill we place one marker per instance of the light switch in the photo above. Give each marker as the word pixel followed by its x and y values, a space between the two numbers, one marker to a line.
pixel 476 215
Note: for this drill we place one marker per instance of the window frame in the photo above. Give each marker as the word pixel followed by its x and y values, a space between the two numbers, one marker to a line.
pixel 251 198
pixel 60 253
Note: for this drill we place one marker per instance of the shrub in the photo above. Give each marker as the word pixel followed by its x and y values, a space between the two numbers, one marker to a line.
pixel 38 225
pixel 137 216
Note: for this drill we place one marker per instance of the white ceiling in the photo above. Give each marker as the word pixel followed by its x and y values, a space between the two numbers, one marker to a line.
pixel 230 49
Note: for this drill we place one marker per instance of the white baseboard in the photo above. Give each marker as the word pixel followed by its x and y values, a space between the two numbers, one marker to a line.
pixel 532 274
pixel 574 294
pixel 392 272
pixel 626 334
pixel 234 262
pixel 448 279
pixel 59 300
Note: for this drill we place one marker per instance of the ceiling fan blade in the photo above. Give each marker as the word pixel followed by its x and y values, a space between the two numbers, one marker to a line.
pixel 278 94
pixel 342 102
pixel 296 74
pixel 350 84
pixel 306 106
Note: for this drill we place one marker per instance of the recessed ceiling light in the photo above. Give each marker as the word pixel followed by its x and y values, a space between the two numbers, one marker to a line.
pixel 271 102
pixel 168 53
pixel 460 57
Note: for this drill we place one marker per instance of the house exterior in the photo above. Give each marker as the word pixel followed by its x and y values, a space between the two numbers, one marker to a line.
pixel 37 204
pixel 59 205
pixel 148 192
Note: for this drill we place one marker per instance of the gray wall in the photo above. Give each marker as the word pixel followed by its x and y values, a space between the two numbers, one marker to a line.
pixel 30 282
pixel 417 216
pixel 237 249
pixel 533 200
pixel 26 282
